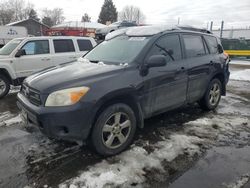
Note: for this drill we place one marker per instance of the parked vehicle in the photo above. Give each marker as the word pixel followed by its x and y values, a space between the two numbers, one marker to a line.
pixel 7 33
pixel 131 76
pixel 22 57
pixel 101 33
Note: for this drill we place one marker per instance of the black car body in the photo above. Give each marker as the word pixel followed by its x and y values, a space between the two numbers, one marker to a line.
pixel 148 70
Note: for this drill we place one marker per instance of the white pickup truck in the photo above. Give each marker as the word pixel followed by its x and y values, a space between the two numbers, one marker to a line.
pixel 22 57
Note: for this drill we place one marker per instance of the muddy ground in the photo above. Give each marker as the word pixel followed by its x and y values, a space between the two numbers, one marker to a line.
pixel 182 148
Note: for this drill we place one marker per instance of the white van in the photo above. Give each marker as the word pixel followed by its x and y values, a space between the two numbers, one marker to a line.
pixel 23 56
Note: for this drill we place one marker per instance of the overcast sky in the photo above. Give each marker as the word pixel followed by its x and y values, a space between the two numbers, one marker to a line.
pixel 193 12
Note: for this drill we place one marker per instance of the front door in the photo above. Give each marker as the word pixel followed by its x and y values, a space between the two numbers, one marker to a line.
pixel 37 58
pixel 165 87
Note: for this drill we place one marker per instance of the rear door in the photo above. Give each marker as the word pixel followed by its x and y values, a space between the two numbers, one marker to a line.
pixel 37 57
pixel 199 65
pixel 63 51
pixel 165 87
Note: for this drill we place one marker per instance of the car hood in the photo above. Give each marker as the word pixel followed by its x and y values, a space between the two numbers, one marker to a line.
pixel 70 75
pixel 4 57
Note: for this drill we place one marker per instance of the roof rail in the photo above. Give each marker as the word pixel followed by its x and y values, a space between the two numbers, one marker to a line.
pixel 191 28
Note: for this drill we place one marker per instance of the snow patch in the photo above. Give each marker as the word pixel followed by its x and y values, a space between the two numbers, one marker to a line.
pixel 243 75
pixel 12 121
pixel 15 89
pixel 131 165
pixel 210 128
pixel 232 104
pixel 240 183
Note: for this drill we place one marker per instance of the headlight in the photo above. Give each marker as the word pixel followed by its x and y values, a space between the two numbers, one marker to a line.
pixel 66 97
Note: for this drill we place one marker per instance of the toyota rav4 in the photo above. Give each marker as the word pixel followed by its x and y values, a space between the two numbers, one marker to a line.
pixel 134 74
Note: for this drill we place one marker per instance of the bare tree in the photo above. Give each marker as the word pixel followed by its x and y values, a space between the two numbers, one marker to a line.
pixel 86 18
pixel 22 9
pixel 14 10
pixel 132 13
pixel 6 13
pixel 56 15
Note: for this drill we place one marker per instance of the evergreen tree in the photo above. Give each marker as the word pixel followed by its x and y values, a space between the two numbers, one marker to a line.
pixel 33 15
pixel 108 12
pixel 47 21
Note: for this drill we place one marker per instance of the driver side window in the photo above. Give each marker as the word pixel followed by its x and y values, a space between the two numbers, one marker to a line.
pixel 36 47
pixel 169 46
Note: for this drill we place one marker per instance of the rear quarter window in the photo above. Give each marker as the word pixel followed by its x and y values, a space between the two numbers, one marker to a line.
pixel 194 45
pixel 212 44
pixel 84 45
pixel 63 45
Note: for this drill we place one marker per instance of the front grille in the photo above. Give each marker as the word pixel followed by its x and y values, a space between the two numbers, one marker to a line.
pixel 32 95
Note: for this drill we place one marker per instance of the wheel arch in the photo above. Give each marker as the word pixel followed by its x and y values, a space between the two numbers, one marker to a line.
pixel 126 96
pixel 220 76
pixel 6 74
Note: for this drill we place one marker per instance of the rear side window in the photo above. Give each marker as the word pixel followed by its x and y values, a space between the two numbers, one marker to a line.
pixel 212 44
pixel 84 45
pixel 36 47
pixel 63 45
pixel 194 45
pixel 168 45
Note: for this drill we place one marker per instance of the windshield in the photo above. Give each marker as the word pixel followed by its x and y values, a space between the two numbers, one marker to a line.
pixel 115 23
pixel 121 49
pixel 9 47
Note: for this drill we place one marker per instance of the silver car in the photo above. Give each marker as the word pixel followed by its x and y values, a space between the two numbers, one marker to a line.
pixel 101 33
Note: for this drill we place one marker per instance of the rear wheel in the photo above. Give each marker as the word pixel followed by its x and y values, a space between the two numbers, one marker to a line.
pixel 4 86
pixel 212 96
pixel 114 129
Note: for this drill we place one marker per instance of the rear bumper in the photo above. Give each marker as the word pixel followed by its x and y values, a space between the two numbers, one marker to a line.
pixel 66 123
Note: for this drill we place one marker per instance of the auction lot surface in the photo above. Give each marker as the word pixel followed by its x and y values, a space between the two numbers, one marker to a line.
pixel 185 148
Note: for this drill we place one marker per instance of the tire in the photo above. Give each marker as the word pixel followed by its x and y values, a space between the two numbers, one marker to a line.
pixel 4 86
pixel 114 130
pixel 212 96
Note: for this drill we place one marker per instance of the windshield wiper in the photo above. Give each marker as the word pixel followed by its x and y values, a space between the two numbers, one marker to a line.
pixel 93 61
pixel 162 48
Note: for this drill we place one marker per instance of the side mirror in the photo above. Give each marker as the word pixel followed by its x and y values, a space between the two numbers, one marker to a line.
pixel 220 49
pixel 156 61
pixel 20 53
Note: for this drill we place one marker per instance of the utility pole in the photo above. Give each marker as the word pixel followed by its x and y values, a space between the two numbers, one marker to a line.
pixel 211 26
pixel 221 28
pixel 179 20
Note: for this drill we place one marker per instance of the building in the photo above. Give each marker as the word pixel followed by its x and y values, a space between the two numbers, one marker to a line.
pixel 75 29
pixel 33 27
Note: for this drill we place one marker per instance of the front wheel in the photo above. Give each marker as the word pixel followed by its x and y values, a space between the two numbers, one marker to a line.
pixel 212 96
pixel 4 86
pixel 114 129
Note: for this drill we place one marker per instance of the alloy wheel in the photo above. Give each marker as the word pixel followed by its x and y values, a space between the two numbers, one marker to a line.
pixel 3 86
pixel 214 94
pixel 116 130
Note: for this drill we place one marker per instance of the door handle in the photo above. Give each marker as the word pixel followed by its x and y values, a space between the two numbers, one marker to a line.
pixel 45 59
pixel 211 62
pixel 182 69
pixel 72 57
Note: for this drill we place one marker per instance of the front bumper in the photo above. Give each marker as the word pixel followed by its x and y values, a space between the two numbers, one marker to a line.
pixel 67 123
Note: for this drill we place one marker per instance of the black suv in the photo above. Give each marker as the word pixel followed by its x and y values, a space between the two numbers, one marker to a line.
pixel 134 74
